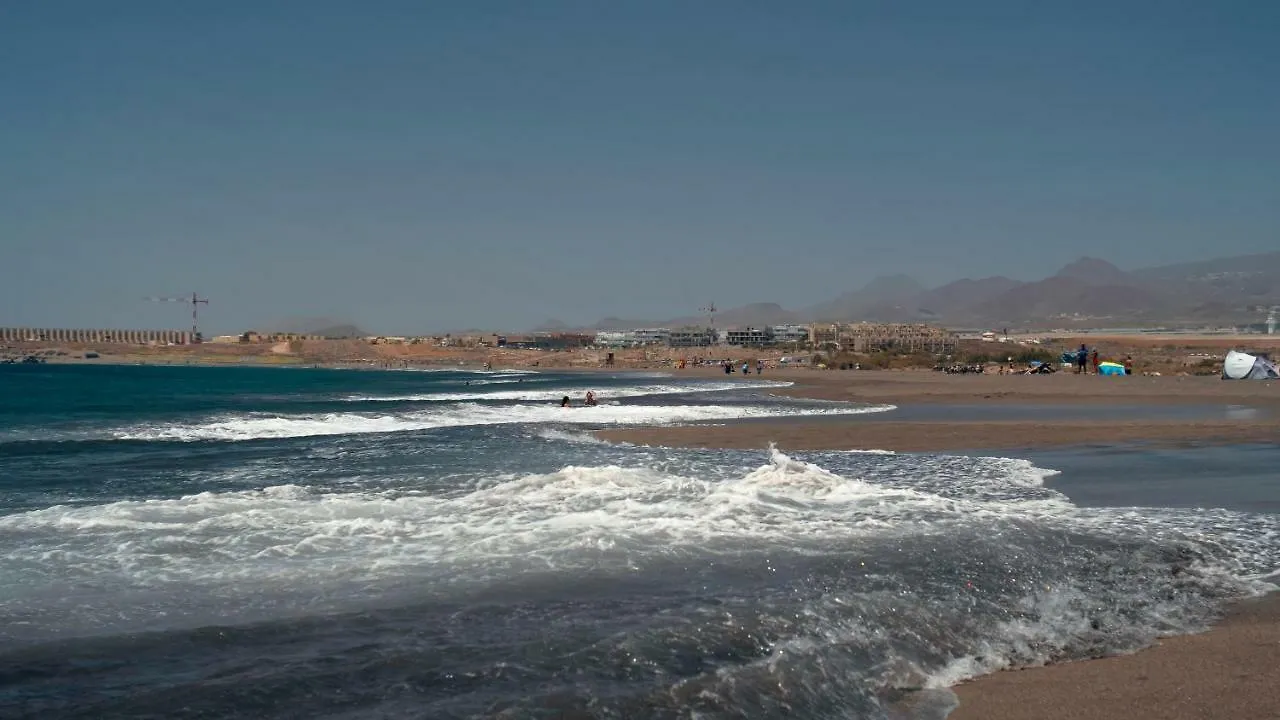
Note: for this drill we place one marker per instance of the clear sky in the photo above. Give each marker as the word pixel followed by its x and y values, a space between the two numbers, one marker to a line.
pixel 414 166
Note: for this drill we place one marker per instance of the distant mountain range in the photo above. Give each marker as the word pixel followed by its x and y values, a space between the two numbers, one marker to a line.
pixel 1089 292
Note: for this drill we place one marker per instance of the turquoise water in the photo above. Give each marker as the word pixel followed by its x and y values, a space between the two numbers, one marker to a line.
pixel 268 542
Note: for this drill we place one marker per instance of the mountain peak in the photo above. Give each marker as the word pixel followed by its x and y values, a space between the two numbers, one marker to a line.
pixel 1094 271
pixel 890 290
pixel 898 285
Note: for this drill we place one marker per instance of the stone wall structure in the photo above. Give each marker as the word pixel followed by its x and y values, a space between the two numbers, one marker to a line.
pixel 70 335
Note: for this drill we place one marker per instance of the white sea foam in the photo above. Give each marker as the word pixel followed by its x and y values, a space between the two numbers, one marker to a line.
pixel 551 394
pixel 253 427
pixel 236 534
pixel 324 542
pixel 553 516
pixel 468 370
pixel 579 438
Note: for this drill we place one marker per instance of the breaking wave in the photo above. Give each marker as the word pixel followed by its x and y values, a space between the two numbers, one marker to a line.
pixel 512 565
pixel 574 520
pixel 249 427
pixel 551 394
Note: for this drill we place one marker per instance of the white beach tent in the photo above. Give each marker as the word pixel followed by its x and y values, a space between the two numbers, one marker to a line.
pixel 1243 366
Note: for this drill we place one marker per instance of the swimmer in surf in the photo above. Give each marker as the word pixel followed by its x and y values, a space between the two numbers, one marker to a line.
pixel 591 398
pixel 564 402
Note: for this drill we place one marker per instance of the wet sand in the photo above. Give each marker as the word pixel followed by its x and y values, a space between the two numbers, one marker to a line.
pixel 923 436
pixel 1233 412
pixel 1228 672
pixel 923 386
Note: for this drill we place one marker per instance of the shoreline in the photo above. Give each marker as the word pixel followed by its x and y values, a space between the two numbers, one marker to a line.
pixel 1235 412
pixel 1226 671
pixel 937 436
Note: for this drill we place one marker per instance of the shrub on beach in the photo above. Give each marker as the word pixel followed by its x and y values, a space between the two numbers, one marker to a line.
pixel 1021 356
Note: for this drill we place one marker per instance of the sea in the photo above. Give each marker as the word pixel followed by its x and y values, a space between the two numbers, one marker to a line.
pixel 243 542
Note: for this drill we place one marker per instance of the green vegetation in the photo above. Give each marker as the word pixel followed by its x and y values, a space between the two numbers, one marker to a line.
pixel 1021 356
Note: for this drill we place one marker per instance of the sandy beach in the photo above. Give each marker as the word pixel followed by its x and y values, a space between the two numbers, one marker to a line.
pixel 1232 412
pixel 1227 672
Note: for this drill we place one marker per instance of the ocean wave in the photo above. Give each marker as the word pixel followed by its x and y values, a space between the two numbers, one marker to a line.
pixel 785 502
pixel 575 507
pixel 254 427
pixel 938 567
pixel 577 438
pixel 552 394
pixel 468 370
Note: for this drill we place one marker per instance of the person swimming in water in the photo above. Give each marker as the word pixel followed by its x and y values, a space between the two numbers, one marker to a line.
pixel 591 398
pixel 564 402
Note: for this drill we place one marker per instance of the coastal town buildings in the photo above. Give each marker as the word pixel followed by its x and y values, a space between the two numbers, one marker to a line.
pixel 544 341
pixel 615 339
pixel 80 335
pixel 854 337
pixel 851 337
pixel 692 337
pixel 866 337
pixel 253 336
pixel 790 334
pixel 750 337
pixel 651 336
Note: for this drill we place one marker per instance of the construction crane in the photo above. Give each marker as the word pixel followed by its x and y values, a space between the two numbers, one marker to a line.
pixel 710 310
pixel 195 301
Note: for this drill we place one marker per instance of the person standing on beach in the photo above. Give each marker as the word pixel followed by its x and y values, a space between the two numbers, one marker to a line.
pixel 1093 358
pixel 759 367
pixel 1082 359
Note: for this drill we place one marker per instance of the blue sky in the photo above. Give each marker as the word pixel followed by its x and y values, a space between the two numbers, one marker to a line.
pixel 417 166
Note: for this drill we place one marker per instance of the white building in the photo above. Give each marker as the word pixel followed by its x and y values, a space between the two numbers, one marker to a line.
pixel 651 336
pixel 750 337
pixel 791 333
pixel 615 339
pixel 692 337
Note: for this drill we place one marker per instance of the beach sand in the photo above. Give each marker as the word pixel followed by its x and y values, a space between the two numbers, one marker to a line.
pixel 926 436
pixel 1231 671
pixel 926 386
pixel 1090 396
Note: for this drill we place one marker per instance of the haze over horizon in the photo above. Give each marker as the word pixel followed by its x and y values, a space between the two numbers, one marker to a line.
pixel 410 167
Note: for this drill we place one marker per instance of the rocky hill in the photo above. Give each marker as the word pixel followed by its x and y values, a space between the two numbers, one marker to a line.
pixel 1087 292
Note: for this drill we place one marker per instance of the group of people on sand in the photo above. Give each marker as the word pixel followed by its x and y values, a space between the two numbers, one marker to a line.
pixel 746 367
pixel 1085 358
pixel 588 401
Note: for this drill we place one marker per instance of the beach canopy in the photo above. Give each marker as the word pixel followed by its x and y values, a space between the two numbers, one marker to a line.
pixel 1110 368
pixel 1243 366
